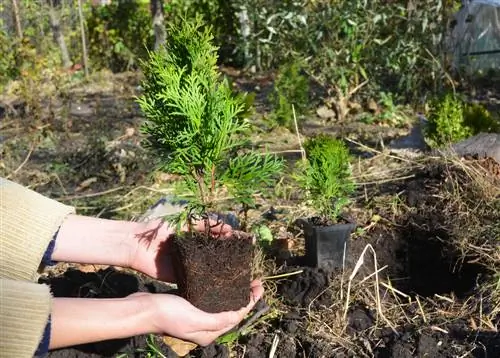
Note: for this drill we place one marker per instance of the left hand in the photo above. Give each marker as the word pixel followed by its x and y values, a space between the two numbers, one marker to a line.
pixel 151 252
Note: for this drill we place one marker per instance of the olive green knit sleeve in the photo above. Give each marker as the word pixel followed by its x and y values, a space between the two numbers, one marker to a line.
pixel 24 312
pixel 28 222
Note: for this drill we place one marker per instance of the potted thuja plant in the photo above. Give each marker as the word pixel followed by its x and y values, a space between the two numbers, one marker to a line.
pixel 325 177
pixel 196 126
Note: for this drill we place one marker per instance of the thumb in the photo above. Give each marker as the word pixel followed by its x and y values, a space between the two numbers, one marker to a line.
pixel 227 320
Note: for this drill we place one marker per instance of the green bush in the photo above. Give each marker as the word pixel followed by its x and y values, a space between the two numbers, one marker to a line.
pixel 446 121
pixel 291 88
pixel 326 175
pixel 479 119
pixel 451 119
pixel 393 45
pixel 8 68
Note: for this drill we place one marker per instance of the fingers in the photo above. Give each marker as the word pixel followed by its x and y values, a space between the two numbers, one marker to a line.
pixel 215 227
pixel 227 320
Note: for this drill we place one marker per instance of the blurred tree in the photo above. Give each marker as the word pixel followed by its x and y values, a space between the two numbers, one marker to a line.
pixel 17 19
pixel 58 34
pixel 158 15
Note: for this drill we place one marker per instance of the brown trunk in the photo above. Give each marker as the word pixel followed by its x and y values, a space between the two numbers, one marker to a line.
pixel 17 19
pixel 58 35
pixel 84 43
pixel 158 16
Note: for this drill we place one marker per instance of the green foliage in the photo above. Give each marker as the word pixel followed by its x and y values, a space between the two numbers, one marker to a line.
pixel 220 15
pixel 390 114
pixel 392 44
pixel 291 88
pixel 326 174
pixel 451 120
pixel 119 34
pixel 479 119
pixel 8 69
pixel 195 123
pixel 446 121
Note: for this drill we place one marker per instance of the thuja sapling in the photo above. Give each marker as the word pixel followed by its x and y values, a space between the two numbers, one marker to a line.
pixel 198 128
pixel 326 178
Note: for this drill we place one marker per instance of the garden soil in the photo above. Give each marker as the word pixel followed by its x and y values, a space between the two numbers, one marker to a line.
pixel 92 160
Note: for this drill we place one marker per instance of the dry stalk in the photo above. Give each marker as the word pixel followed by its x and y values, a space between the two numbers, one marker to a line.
pixel 424 317
pixel 274 346
pixel 358 265
pixel 283 275
pixel 33 145
pixel 302 150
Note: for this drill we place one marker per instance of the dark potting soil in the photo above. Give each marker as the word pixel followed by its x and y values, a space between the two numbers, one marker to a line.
pixel 324 221
pixel 306 288
pixel 215 273
pixel 106 283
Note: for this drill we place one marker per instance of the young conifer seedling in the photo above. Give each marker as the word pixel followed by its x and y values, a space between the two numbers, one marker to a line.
pixel 197 127
pixel 325 176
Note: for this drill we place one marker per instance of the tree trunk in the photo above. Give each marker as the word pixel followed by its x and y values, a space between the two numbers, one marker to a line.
pixel 158 16
pixel 84 42
pixel 17 19
pixel 58 35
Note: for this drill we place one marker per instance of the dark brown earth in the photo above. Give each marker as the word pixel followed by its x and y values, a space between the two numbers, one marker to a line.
pixel 105 283
pixel 81 144
pixel 211 267
pixel 407 341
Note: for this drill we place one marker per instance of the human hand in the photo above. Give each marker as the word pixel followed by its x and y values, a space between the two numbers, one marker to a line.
pixel 174 316
pixel 151 248
pixel 76 321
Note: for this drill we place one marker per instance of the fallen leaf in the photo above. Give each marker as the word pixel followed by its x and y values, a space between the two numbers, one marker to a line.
pixel 325 113
pixel 372 106
pixel 129 132
pixel 86 183
pixel 180 347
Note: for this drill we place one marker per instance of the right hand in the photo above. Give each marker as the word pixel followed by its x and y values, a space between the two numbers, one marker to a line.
pixel 174 316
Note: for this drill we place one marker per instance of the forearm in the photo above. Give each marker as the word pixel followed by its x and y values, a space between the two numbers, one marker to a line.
pixel 83 320
pixel 95 241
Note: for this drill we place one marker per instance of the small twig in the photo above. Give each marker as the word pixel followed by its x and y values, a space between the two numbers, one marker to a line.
pixel 282 275
pixel 379 152
pixel 421 309
pixel 444 298
pixel 284 151
pixel 254 318
pixel 24 161
pixel 392 289
pixel 302 151
pixel 274 346
pixel 6 124
pixel 90 195
pixel 382 181
pixel 439 329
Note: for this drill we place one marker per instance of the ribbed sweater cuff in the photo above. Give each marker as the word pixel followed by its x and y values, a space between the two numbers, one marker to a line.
pixel 28 222
pixel 24 312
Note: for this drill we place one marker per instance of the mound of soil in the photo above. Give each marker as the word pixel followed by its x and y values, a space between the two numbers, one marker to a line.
pixel 307 288
pixel 209 267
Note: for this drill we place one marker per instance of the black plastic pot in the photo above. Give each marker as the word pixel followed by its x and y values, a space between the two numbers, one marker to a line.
pixel 326 246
